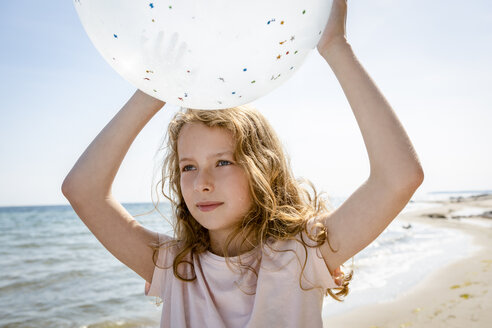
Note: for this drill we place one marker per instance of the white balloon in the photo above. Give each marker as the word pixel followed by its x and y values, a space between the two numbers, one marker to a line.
pixel 204 54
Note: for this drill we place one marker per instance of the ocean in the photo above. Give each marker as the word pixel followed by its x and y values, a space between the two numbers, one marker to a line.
pixel 54 273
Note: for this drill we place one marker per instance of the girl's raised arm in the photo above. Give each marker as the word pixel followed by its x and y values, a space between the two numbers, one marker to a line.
pixel 88 187
pixel 395 171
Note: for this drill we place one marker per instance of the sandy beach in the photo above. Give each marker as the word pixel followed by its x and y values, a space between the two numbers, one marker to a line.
pixel 456 295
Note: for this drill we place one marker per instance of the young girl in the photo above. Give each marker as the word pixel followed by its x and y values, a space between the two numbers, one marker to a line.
pixel 252 247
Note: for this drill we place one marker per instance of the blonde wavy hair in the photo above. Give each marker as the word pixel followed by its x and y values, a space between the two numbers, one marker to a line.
pixel 281 205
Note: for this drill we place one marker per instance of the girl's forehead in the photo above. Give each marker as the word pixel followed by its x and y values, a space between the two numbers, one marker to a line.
pixel 201 130
pixel 197 137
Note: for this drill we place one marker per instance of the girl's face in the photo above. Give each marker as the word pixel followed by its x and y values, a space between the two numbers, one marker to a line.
pixel 214 187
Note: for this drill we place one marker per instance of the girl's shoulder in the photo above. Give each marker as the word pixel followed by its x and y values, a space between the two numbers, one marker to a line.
pixel 301 257
pixel 165 250
pixel 165 239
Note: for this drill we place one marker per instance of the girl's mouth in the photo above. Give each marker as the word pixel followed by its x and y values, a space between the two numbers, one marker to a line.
pixel 208 207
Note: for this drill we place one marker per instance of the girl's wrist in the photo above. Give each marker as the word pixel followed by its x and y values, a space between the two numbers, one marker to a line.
pixel 336 49
pixel 148 100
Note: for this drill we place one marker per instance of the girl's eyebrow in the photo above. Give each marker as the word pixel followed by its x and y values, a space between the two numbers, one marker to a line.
pixel 211 156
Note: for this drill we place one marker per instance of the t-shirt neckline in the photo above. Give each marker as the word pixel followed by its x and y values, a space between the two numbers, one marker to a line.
pixel 243 256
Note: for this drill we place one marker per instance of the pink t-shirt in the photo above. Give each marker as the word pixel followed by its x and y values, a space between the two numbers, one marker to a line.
pixel 221 297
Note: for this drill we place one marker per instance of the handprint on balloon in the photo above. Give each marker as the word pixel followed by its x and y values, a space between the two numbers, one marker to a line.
pixel 167 52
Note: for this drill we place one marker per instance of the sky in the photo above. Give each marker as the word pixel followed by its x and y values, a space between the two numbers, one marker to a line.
pixel 431 59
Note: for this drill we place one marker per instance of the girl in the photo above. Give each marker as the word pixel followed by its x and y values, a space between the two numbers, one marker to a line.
pixel 251 247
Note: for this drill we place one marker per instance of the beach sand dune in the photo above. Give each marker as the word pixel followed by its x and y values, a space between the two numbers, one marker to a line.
pixel 457 295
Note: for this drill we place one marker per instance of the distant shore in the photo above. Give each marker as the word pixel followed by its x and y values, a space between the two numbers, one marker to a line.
pixel 456 295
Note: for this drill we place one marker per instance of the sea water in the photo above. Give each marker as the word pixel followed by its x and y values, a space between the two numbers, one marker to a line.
pixel 54 272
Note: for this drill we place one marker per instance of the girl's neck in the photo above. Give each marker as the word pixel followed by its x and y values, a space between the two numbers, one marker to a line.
pixel 238 246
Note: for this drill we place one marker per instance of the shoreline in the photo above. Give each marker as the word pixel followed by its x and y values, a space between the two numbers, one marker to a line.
pixel 454 295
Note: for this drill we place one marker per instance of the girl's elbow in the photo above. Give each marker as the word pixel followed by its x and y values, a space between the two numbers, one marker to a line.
pixel 417 177
pixel 420 176
pixel 66 188
pixel 412 181
pixel 401 179
pixel 69 188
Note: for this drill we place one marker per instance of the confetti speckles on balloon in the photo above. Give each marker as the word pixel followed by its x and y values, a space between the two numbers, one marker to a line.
pixel 204 54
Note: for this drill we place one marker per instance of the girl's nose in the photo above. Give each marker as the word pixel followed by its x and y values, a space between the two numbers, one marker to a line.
pixel 204 181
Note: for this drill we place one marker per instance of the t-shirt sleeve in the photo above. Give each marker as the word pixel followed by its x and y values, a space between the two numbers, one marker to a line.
pixel 316 270
pixel 164 266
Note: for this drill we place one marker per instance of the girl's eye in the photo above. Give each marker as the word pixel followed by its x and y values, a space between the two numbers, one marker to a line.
pixel 187 168
pixel 223 163
pixel 192 168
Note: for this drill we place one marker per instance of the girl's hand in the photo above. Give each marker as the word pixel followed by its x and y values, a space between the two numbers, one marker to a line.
pixel 334 32
pixel 337 276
